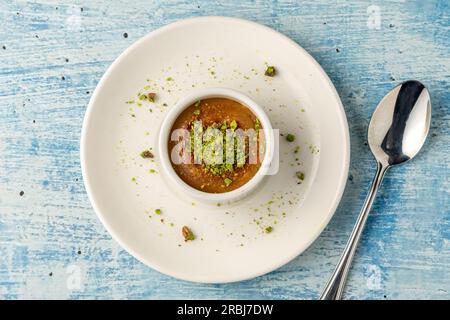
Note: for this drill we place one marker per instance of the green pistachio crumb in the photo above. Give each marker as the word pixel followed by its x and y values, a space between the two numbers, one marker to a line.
pixel 233 125
pixel 152 171
pixel 169 79
pixel 142 97
pixel 146 154
pixel 290 137
pixel 196 112
pixel 268 229
pixel 300 175
pixel 270 71
pixel 197 104
pixel 187 234
pixel 151 96
pixel 157 211
pixel 227 181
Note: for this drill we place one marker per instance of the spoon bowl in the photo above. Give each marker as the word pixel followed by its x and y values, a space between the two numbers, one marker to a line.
pixel 400 123
pixel 397 131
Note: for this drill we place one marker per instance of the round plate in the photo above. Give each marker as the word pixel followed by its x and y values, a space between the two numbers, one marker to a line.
pixel 233 242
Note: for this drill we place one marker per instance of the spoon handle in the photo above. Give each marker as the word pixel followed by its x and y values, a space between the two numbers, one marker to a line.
pixel 336 284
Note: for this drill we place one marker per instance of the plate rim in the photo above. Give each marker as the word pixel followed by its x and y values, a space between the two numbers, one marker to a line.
pixel 341 183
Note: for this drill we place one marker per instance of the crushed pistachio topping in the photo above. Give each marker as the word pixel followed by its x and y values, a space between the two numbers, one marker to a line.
pixel 169 79
pixel 300 175
pixel 147 154
pixel 270 71
pixel 268 229
pixel 187 234
pixel 210 165
pixel 197 104
pixel 227 181
pixel 151 96
pixel 196 112
pixel 158 211
pixel 290 137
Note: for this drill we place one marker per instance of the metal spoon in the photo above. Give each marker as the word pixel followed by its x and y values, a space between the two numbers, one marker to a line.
pixel 397 131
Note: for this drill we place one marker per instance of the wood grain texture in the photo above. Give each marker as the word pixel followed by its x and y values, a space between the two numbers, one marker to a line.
pixel 52 54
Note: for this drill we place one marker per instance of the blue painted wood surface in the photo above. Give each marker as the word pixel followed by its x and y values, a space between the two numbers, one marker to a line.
pixel 52 54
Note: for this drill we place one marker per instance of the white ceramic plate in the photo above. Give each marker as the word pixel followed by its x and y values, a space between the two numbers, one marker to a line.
pixel 231 242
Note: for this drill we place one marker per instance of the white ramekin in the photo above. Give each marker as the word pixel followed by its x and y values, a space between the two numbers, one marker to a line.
pixel 165 133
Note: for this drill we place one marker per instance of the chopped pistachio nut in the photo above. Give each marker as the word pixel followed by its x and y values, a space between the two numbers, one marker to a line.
pixel 219 169
pixel 197 104
pixel 290 137
pixel 142 97
pixel 151 96
pixel 270 71
pixel 268 229
pixel 300 175
pixel 169 79
pixel 297 149
pixel 147 154
pixel 157 211
pixel 196 112
pixel 187 234
pixel 227 181
pixel 152 171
